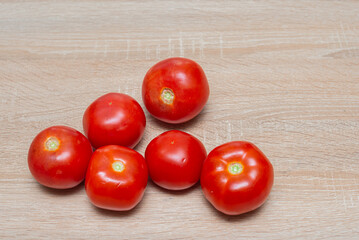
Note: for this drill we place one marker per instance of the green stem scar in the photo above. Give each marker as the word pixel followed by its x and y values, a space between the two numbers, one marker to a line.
pixel 52 144
pixel 167 95
pixel 118 166
pixel 235 168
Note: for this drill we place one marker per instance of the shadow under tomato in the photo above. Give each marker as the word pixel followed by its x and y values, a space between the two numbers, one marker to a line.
pixel 139 145
pixel 61 192
pixel 174 192
pixel 178 126
pixel 111 213
pixel 235 218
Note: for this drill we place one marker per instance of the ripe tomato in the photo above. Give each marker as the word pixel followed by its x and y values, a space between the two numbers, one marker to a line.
pixel 236 177
pixel 175 90
pixel 114 118
pixel 58 157
pixel 116 178
pixel 175 159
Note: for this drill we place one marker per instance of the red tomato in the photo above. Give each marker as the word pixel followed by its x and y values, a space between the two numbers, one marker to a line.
pixel 116 178
pixel 175 90
pixel 175 159
pixel 58 157
pixel 114 119
pixel 236 177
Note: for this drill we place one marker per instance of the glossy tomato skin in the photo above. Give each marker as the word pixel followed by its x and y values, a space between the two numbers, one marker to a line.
pixel 175 90
pixel 58 157
pixel 116 178
pixel 114 118
pixel 236 177
pixel 174 160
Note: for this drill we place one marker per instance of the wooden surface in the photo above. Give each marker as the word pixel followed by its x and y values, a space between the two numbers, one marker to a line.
pixel 283 74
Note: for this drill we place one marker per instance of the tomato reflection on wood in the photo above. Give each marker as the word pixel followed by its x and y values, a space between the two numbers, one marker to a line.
pixel 236 177
pixel 114 118
pixel 58 157
pixel 175 90
pixel 175 159
pixel 116 178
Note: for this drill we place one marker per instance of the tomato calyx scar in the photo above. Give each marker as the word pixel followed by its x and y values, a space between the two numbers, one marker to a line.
pixel 118 166
pixel 167 95
pixel 235 168
pixel 52 144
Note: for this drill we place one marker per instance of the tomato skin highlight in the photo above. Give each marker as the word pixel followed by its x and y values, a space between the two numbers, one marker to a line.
pixel 174 160
pixel 236 177
pixel 116 187
pixel 58 157
pixel 175 90
pixel 114 119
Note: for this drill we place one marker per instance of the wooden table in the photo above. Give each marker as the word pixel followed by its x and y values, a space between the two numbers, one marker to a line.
pixel 283 74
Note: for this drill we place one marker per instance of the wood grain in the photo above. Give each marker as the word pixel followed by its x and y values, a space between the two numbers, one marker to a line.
pixel 283 74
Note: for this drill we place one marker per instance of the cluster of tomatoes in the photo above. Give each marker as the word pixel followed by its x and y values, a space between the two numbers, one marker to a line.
pixel 235 177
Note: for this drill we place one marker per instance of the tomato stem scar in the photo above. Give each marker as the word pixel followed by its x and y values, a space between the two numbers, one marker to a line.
pixel 118 166
pixel 167 95
pixel 235 168
pixel 52 144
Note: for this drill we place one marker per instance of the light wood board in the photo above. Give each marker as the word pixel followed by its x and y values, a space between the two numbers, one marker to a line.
pixel 282 74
